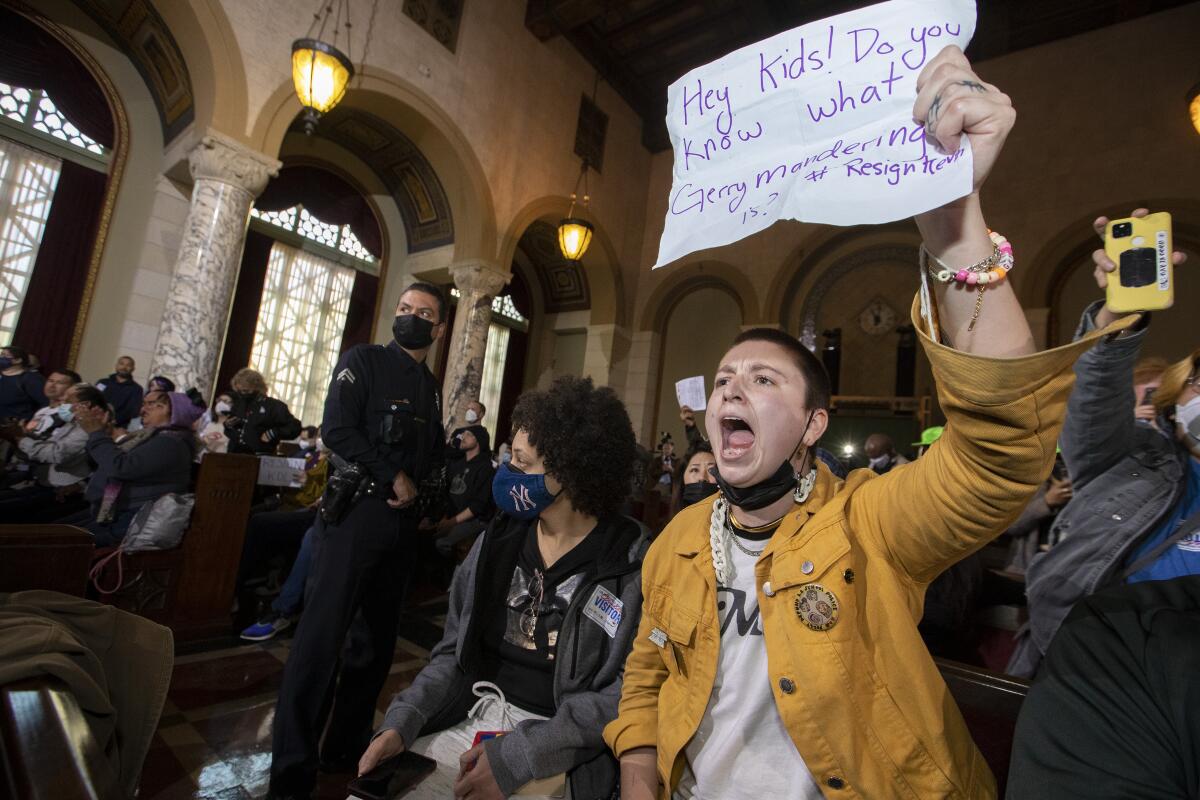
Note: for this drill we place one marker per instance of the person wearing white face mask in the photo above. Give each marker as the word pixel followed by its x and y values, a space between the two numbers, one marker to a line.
pixel 1135 509
pixel 475 412
pixel 212 434
pixel 58 459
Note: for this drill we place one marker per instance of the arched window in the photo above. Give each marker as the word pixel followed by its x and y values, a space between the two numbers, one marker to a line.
pixel 27 182
pixel 305 299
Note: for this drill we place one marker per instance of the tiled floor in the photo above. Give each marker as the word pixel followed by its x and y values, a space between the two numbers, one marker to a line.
pixel 214 738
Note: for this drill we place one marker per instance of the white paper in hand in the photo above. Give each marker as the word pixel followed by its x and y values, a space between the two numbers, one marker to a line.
pixel 814 124
pixel 690 392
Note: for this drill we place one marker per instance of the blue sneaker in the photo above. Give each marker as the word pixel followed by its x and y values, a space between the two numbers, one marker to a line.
pixel 267 628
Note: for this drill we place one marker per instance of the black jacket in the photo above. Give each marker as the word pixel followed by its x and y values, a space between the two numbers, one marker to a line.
pixel 125 398
pixel 21 395
pixel 159 465
pixel 384 411
pixel 252 417
pixel 1112 714
pixel 469 485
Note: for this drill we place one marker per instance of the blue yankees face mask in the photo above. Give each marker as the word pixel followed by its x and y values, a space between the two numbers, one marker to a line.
pixel 519 495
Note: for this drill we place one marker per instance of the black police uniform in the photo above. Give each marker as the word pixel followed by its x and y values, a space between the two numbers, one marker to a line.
pixel 383 412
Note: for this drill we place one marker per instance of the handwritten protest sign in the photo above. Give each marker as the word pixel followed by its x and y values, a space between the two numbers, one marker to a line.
pixel 279 471
pixel 690 392
pixel 813 124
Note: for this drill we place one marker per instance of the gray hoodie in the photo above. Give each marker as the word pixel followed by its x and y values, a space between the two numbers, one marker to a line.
pixel 587 671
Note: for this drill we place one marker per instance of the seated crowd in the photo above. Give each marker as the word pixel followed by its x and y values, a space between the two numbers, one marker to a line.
pixel 773 637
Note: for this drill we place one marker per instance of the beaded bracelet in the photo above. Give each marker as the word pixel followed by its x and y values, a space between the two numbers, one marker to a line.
pixel 992 269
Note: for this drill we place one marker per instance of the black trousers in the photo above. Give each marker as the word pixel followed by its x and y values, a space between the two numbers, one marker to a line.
pixel 362 567
pixel 270 534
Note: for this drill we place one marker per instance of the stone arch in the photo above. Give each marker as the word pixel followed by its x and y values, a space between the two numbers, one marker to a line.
pixel 807 262
pixel 411 111
pixel 689 277
pixel 602 267
pixel 1043 283
pixel 827 277
pixel 214 61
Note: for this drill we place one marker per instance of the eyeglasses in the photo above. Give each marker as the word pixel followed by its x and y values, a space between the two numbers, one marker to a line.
pixel 529 617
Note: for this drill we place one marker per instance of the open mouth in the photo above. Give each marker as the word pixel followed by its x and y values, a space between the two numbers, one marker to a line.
pixel 737 437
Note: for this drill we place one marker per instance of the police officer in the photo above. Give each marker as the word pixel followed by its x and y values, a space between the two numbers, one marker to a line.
pixel 383 415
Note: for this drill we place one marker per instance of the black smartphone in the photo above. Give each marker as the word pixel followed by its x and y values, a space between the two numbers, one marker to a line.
pixel 1148 395
pixel 393 777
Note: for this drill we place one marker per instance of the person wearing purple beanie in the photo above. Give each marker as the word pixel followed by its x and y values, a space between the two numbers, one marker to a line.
pixel 142 467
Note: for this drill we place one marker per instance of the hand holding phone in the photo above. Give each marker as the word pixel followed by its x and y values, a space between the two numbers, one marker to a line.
pixel 1137 269
pixel 393 777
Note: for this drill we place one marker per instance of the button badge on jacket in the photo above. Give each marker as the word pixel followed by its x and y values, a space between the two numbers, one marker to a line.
pixel 817 607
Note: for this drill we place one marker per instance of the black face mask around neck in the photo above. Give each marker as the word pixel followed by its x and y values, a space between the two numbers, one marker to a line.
pixel 412 332
pixel 695 492
pixel 767 491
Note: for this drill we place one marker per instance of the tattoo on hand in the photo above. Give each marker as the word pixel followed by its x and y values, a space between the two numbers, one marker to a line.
pixel 974 86
pixel 934 109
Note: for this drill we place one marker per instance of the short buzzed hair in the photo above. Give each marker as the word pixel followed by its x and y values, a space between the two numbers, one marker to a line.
pixel 428 288
pixel 816 379
pixel 70 373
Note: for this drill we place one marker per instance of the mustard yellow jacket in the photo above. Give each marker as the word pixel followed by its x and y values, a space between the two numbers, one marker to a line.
pixel 863 701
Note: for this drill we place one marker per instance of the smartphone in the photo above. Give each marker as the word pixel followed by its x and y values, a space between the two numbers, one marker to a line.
pixel 1148 396
pixel 392 778
pixel 1141 248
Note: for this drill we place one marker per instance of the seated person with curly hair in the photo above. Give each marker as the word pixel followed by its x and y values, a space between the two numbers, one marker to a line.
pixel 541 617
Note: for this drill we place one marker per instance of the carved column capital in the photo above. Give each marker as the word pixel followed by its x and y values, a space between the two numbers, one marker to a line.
pixel 479 277
pixel 220 158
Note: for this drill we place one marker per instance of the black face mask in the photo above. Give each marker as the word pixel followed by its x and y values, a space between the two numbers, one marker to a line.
pixel 695 492
pixel 412 332
pixel 765 492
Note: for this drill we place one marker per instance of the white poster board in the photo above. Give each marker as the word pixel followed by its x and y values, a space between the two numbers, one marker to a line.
pixel 280 471
pixel 690 392
pixel 813 124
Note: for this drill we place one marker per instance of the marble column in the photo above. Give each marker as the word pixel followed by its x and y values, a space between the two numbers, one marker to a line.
pixel 478 282
pixel 228 176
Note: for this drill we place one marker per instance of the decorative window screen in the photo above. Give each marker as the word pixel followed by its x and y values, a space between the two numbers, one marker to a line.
pixel 298 220
pixel 300 321
pixel 27 182
pixel 33 109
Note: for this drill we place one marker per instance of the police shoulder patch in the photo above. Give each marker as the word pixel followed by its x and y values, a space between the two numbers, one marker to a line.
pixel 346 375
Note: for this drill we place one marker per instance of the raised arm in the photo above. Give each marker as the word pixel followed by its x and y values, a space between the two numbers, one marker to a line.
pixel 954 102
pixel 1100 416
pixel 1004 405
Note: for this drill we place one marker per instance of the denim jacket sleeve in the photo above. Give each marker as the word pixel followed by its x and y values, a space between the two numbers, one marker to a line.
pixel 1100 423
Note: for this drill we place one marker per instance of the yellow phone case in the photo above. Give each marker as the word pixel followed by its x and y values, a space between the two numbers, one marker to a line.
pixel 1144 279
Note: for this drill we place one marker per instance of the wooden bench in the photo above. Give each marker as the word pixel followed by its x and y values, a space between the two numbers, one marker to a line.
pixel 191 587
pixel 989 702
pixel 54 557
pixel 47 750
pixel 46 747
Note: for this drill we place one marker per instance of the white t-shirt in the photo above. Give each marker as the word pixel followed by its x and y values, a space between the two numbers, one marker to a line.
pixel 742 748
